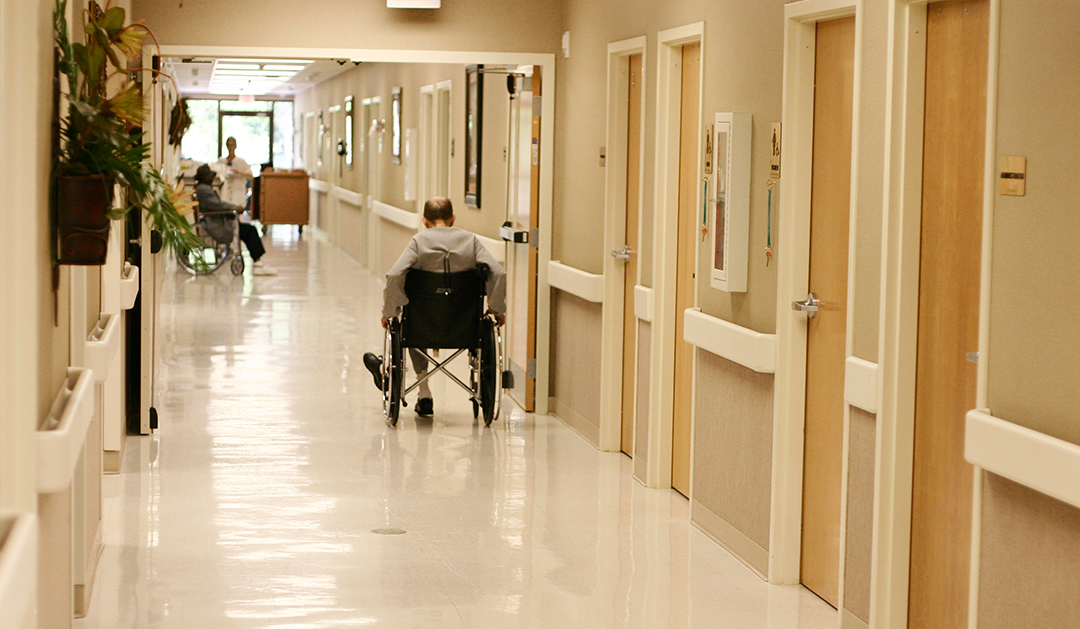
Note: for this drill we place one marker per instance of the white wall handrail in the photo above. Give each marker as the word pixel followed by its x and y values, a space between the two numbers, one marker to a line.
pixel 18 567
pixel 860 384
pixel 587 286
pixel 102 345
pixel 397 215
pixel 1025 456
pixel 643 302
pixel 318 185
pixel 348 196
pixel 129 286
pixel 497 248
pixel 60 439
pixel 744 346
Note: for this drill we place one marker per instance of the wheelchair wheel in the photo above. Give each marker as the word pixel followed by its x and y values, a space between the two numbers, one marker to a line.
pixel 489 371
pixel 213 257
pixel 393 371
pixel 237 265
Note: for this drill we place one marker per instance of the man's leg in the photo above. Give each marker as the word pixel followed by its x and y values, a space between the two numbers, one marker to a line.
pixel 420 365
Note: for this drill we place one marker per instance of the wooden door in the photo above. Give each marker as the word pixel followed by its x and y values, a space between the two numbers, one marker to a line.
pixel 523 212
pixel 689 176
pixel 826 343
pixel 633 179
pixel 949 268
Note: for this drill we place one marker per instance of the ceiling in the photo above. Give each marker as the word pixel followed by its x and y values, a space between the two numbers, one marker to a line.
pixel 255 76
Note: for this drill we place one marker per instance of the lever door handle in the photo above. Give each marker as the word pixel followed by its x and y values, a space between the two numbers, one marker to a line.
pixel 622 254
pixel 809 306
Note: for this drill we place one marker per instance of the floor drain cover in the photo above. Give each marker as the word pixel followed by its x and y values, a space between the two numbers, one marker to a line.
pixel 388 531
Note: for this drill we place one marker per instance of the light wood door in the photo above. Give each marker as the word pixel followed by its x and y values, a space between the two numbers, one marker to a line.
pixel 523 212
pixel 953 145
pixel 689 175
pixel 826 344
pixel 633 179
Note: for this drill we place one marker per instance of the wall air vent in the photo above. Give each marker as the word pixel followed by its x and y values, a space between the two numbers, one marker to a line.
pixel 413 4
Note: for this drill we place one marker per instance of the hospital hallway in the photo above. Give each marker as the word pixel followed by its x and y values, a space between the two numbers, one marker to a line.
pixel 273 493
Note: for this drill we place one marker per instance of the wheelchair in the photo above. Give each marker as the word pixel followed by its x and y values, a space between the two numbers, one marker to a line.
pixel 220 235
pixel 445 311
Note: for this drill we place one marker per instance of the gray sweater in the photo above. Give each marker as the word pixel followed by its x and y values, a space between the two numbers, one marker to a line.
pixel 426 252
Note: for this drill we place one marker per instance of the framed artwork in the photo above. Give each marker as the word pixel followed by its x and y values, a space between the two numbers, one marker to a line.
pixel 349 131
pixel 395 125
pixel 730 202
pixel 474 116
pixel 322 138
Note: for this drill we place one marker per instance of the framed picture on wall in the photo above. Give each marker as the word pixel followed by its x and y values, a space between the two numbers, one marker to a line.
pixel 395 125
pixel 474 114
pixel 349 131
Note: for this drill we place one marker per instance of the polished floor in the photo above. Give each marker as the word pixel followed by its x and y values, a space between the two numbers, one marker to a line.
pixel 274 494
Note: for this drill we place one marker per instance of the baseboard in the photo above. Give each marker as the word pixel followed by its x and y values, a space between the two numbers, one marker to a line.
pixel 576 422
pixel 83 591
pixel 110 461
pixel 849 620
pixel 732 539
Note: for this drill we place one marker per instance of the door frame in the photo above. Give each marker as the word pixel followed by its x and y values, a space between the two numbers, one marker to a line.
pixel 614 272
pixel 901 239
pixel 800 23
pixel 665 249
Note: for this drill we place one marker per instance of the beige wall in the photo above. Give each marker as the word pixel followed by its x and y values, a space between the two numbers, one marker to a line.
pixel 860 513
pixel 1034 349
pixel 483 25
pixel 575 360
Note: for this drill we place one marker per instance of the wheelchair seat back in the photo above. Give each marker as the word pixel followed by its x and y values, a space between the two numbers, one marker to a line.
pixel 444 309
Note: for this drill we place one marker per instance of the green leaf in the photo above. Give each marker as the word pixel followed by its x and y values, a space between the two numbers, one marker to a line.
pixel 112 21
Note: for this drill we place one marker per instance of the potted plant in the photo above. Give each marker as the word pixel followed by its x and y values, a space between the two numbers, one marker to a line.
pixel 102 143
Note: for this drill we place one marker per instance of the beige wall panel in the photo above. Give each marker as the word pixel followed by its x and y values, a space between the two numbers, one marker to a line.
pixel 1032 376
pixel 352 231
pixel 392 241
pixel 732 472
pixel 865 278
pixel 575 363
pixel 641 408
pixel 488 25
pixel 860 513
pixel 1030 567
pixel 55 590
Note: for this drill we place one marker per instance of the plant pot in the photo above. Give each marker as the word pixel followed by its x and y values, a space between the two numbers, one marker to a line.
pixel 82 218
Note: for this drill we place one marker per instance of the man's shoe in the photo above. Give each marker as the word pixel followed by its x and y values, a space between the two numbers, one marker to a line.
pixel 261 268
pixel 374 365
pixel 425 407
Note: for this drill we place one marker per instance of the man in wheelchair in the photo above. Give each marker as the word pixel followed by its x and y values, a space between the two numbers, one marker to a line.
pixel 444 252
pixel 219 216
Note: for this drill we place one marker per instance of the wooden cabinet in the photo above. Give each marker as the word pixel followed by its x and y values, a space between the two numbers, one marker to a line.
pixel 282 197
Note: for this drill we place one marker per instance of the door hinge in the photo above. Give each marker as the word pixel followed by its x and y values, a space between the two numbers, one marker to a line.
pixel 534 238
pixel 530 368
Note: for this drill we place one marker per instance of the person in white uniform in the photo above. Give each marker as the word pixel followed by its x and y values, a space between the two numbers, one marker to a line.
pixel 236 173
pixel 428 251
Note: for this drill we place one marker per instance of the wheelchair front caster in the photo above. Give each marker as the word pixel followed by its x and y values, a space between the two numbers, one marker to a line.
pixel 237 265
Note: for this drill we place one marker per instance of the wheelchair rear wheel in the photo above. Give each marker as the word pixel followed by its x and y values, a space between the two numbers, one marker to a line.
pixel 489 371
pixel 393 372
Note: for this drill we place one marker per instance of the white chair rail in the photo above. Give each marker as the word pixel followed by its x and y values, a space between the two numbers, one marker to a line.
pixel 744 346
pixel 587 286
pixel 102 346
pixel 60 439
pixel 348 196
pixel 318 185
pixel 129 286
pixel 1025 456
pixel 18 566
pixel 860 384
pixel 497 248
pixel 643 302
pixel 397 215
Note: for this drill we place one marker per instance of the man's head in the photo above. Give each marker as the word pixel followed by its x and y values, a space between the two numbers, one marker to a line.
pixel 205 174
pixel 438 209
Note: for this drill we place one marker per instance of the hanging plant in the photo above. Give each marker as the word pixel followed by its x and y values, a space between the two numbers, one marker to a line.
pixel 102 142
pixel 179 121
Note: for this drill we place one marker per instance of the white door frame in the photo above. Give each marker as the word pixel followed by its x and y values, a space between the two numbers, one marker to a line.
pixel 901 239
pixel 444 136
pixel 789 396
pixel 665 247
pixel 611 352
pixel 428 147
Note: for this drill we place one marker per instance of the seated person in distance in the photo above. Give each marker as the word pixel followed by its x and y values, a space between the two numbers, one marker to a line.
pixel 209 201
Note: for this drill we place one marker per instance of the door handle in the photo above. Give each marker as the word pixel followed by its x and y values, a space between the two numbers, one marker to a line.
pixel 622 254
pixel 809 306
